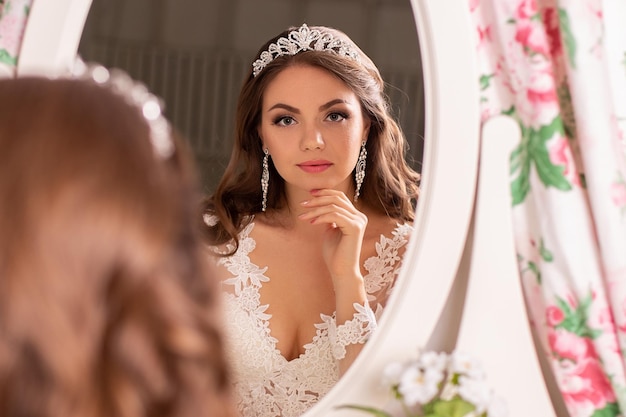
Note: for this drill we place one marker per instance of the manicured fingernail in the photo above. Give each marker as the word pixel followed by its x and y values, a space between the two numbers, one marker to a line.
pixel 304 203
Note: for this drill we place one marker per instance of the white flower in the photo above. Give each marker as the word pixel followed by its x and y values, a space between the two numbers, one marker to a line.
pixel 437 361
pixel 465 364
pixel 475 392
pixel 438 378
pixel 419 386
pixel 392 374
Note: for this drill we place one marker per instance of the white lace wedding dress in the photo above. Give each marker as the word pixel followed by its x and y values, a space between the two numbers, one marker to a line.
pixel 269 385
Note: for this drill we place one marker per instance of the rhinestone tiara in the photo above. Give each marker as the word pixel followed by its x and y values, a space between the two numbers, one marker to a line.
pixel 136 94
pixel 300 40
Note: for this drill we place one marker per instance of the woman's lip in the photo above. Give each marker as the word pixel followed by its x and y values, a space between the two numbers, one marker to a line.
pixel 315 166
pixel 315 162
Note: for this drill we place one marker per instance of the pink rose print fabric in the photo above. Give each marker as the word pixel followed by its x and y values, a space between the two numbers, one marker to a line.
pixel 13 17
pixel 559 68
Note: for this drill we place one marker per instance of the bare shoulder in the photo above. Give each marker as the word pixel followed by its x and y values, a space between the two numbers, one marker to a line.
pixel 381 225
pixel 270 231
pixel 264 224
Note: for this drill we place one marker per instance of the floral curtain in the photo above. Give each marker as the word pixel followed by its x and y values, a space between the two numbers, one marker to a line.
pixel 559 68
pixel 13 17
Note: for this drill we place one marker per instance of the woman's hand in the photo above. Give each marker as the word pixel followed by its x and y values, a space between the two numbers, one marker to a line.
pixel 343 239
pixel 344 234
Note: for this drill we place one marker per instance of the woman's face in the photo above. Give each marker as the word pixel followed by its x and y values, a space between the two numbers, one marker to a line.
pixel 313 126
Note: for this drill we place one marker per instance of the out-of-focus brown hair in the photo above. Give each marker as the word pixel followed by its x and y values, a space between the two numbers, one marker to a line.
pixel 390 186
pixel 107 308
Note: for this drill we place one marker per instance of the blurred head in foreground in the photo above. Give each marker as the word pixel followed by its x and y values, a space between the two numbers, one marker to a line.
pixel 106 304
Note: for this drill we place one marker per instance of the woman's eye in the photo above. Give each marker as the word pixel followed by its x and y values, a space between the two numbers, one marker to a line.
pixel 337 117
pixel 284 121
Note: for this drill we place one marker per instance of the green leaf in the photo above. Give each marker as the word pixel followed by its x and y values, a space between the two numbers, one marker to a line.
pixel 429 408
pixel 546 255
pixel 546 132
pixel 455 407
pixel 370 410
pixel 585 303
pixel 550 175
pixel 519 189
pixel 535 269
pixel 510 111
pixel 564 306
pixel 520 160
pixel 611 410
pixel 575 321
pixel 7 58
pixel 533 150
pixel 521 185
pixel 568 37
pixel 572 324
pixel 485 81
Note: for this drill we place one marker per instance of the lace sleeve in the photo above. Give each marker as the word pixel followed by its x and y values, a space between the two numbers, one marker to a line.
pixel 356 330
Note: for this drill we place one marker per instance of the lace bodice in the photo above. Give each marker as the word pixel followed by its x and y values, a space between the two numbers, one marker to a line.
pixel 269 385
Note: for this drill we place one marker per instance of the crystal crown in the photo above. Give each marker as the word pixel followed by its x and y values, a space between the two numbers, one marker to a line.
pixel 300 40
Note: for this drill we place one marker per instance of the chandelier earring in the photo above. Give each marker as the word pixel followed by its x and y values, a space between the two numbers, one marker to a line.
pixel 265 178
pixel 359 174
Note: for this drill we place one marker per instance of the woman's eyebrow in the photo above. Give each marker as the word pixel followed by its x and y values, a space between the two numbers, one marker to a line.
pixel 284 106
pixel 333 102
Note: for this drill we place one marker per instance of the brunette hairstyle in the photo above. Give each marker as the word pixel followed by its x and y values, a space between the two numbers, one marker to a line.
pixel 106 304
pixel 390 185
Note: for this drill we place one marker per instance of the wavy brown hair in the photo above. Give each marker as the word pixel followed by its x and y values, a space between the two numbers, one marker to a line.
pixel 390 185
pixel 107 307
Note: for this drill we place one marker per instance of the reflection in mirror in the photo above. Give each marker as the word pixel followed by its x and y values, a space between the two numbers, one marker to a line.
pixel 198 70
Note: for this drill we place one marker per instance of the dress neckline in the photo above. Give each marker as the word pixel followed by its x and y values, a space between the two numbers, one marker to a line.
pixel 246 245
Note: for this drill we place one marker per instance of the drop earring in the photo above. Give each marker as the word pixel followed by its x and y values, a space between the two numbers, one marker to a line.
pixel 359 174
pixel 265 178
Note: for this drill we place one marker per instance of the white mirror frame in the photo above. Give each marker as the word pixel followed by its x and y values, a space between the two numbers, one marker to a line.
pixel 450 169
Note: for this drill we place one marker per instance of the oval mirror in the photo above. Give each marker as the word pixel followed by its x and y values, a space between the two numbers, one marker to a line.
pixel 449 119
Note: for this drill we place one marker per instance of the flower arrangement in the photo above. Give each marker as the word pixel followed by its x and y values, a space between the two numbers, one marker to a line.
pixel 438 384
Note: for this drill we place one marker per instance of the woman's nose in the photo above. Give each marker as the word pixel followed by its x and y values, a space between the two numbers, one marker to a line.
pixel 311 139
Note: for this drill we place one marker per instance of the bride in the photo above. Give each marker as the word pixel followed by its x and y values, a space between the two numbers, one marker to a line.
pixel 310 220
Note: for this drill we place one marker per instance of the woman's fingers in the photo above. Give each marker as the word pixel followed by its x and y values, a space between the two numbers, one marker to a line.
pixel 330 198
pixel 341 219
pixel 336 215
